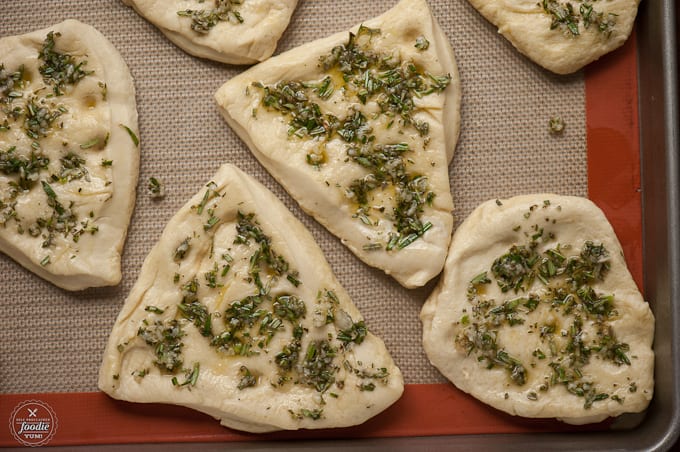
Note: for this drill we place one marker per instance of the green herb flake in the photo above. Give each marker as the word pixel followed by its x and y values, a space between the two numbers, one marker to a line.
pixel 90 144
pixel 49 191
pixel 203 20
pixel 156 188
pixel 567 19
pixel 556 125
pixel 182 249
pixel 248 380
pixel 210 193
pixel 140 373
pixel 193 376
pixel 59 69
pixel 422 43
pixel 133 136
pixel 154 309
pixel 165 338
pixel 39 117
pixel 356 333
pixel 212 221
pixel 318 365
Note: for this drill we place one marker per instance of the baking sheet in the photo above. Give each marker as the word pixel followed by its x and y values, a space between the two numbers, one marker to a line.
pixel 54 339
pixel 504 149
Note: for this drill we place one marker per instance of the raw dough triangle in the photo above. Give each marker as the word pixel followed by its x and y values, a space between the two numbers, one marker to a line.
pixel 562 36
pixel 359 128
pixel 237 314
pixel 537 315
pixel 69 154
pixel 229 31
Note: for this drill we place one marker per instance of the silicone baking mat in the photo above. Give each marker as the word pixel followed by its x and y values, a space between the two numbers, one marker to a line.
pixel 52 340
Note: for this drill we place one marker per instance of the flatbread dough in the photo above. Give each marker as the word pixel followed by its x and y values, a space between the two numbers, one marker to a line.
pixel 570 337
pixel 237 314
pixel 69 154
pixel 562 36
pixel 229 31
pixel 359 128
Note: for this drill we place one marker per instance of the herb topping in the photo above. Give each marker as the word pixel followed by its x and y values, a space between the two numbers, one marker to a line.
pixel 203 20
pixel 392 85
pixel 565 17
pixel 567 281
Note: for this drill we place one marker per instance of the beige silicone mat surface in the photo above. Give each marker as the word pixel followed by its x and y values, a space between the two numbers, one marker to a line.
pixel 52 340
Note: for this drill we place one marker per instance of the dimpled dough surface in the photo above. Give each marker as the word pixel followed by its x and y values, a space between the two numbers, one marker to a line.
pixel 237 314
pixel 229 31
pixel 562 36
pixel 549 348
pixel 394 155
pixel 68 154
pixel 506 104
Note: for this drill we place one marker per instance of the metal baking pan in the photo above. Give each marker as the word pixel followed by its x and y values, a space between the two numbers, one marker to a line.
pixel 660 179
pixel 660 171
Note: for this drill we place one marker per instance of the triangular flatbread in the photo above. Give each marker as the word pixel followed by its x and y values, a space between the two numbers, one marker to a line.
pixel 537 315
pixel 229 31
pixel 561 35
pixel 237 314
pixel 359 128
pixel 69 154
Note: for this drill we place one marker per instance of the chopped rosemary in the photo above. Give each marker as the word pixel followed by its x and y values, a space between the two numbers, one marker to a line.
pixel 196 312
pixel 59 69
pixel 39 118
pixel 10 83
pixel 203 20
pixel 26 168
pixel 154 309
pixel 248 380
pixel 190 376
pixel 567 289
pixel 318 365
pixel 72 168
pixel 393 85
pixel 93 142
pixel 166 340
pixel 182 249
pixel 314 414
pixel 133 136
pixel 565 17
pixel 356 333
pixel 156 188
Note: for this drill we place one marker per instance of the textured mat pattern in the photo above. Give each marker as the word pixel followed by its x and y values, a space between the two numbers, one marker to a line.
pixel 52 340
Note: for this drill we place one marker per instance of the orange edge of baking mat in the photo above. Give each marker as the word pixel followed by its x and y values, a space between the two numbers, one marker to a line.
pixel 424 409
pixel 613 140
pixel 95 418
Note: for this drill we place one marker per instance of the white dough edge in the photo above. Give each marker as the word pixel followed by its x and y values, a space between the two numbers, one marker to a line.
pixel 246 415
pixel 527 27
pixel 485 234
pixel 236 44
pixel 118 210
pixel 292 64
